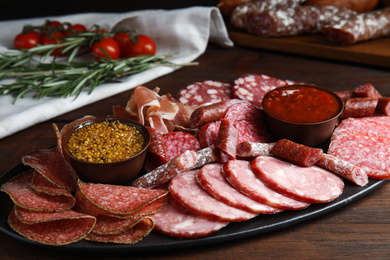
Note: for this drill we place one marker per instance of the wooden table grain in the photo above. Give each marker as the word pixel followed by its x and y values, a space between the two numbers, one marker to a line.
pixel 360 230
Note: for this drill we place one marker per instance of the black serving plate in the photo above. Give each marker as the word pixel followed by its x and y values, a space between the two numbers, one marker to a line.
pixel 156 241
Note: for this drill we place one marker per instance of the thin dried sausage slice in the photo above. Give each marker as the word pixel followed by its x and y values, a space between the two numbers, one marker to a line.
pixel 209 91
pixel 176 143
pixel 296 153
pixel 23 195
pixel 310 184
pixel 253 87
pixel 177 221
pixel 129 236
pixel 211 179
pixel 57 231
pixel 362 27
pixel 343 169
pixel 363 125
pixel 186 190
pixel 367 151
pixel 41 184
pixel 110 225
pixel 240 175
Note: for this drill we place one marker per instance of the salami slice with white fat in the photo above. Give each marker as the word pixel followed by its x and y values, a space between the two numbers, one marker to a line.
pixel 367 151
pixel 253 87
pixel 363 125
pixel 177 221
pixel 240 175
pixel 209 91
pixel 310 184
pixel 186 190
pixel 211 179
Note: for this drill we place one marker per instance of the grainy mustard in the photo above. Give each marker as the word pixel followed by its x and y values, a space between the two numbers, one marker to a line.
pixel 105 142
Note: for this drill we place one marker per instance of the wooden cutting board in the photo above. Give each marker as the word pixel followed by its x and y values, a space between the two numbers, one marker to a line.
pixel 374 52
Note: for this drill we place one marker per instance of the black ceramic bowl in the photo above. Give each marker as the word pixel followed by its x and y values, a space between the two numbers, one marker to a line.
pixel 118 172
pixel 307 133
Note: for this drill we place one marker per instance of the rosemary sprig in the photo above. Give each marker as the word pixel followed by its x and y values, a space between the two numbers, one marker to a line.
pixel 65 80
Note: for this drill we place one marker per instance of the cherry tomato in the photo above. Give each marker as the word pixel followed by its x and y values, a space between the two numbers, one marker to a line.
pixel 144 46
pixel 122 39
pixel 51 24
pixel 74 29
pixel 54 38
pixel 110 47
pixel 26 40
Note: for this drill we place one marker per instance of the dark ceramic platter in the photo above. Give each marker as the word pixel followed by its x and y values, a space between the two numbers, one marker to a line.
pixel 156 241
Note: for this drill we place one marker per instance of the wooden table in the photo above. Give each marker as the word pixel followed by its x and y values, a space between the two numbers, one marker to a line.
pixel 359 230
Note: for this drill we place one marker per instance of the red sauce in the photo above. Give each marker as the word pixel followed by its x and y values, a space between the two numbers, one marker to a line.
pixel 301 104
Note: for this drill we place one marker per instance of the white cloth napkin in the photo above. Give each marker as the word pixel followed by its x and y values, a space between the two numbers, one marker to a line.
pixel 182 31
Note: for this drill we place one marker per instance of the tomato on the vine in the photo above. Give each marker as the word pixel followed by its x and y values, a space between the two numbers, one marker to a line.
pixel 26 40
pixel 74 28
pixel 107 46
pixel 143 45
pixel 122 38
pixel 53 38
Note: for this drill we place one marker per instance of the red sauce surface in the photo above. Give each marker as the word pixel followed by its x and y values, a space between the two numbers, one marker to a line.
pixel 301 104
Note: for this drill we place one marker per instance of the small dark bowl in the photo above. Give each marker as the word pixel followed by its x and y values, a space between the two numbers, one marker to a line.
pixel 109 173
pixel 310 134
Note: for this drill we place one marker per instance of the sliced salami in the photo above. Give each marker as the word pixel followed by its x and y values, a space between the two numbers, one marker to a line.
pixel 343 169
pixel 57 231
pixel 208 134
pixel 240 175
pixel 384 120
pixel 367 151
pixel 176 143
pixel 186 190
pixel 309 184
pixel 227 139
pixel 41 184
pixel 129 236
pixel 253 87
pixel 363 125
pixel 362 27
pixel 211 179
pixel 23 195
pixel 110 225
pixel 209 91
pixel 177 221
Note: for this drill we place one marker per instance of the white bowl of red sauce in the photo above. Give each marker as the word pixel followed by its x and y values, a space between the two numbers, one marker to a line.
pixel 305 114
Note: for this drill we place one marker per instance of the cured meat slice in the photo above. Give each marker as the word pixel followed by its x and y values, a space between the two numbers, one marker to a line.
pixel 227 139
pixel 253 87
pixel 384 120
pixel 186 190
pixel 253 131
pixel 310 184
pixel 208 134
pixel 23 195
pixel 53 166
pixel 109 225
pixel 383 106
pixel 208 113
pixel 243 110
pixel 343 169
pixel 176 143
pixel 177 221
pixel 362 27
pixel 294 21
pixel 359 107
pixel 369 152
pixel 296 153
pixel 344 95
pixel 363 125
pixel 240 175
pixel 57 231
pixel 256 6
pixel 129 236
pixel 211 179
pixel 367 90
pixel 41 184
pixel 253 149
pixel 166 172
pixel 119 199
pixel 209 91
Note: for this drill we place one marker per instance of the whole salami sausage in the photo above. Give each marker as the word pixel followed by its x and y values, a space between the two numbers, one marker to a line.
pixel 296 153
pixel 239 13
pixel 343 169
pixel 359 107
pixel 294 21
pixel 362 27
